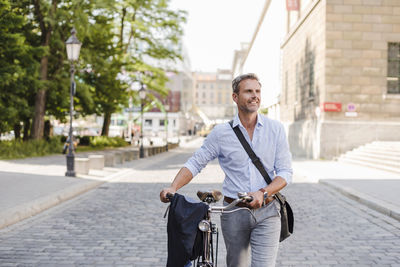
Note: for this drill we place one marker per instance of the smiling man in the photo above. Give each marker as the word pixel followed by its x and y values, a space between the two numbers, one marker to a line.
pixel 244 232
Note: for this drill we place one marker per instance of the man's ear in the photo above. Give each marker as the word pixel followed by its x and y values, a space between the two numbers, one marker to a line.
pixel 235 97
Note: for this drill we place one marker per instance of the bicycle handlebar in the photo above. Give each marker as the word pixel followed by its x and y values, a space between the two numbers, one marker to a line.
pixel 170 196
pixel 242 197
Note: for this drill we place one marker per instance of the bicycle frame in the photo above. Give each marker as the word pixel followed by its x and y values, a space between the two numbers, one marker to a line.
pixel 209 229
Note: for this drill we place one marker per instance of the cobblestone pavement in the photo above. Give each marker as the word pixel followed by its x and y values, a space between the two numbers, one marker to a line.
pixel 121 224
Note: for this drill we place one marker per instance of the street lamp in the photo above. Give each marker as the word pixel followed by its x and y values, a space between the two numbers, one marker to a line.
pixel 166 107
pixel 142 96
pixel 73 48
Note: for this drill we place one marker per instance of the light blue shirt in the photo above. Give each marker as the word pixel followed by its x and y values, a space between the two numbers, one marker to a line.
pixel 241 175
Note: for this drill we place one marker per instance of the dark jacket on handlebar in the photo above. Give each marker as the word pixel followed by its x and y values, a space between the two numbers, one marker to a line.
pixel 184 237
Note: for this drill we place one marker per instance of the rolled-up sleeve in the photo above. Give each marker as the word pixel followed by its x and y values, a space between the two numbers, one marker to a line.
pixel 283 157
pixel 207 152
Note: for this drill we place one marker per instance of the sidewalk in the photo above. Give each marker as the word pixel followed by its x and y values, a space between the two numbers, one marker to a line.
pixel 374 188
pixel 30 186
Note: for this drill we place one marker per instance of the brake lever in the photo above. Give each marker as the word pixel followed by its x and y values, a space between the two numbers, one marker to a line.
pixel 245 197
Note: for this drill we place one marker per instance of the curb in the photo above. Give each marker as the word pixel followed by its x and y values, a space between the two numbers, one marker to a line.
pixel 371 202
pixel 24 211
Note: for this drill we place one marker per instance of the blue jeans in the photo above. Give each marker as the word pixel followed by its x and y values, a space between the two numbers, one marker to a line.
pixel 261 232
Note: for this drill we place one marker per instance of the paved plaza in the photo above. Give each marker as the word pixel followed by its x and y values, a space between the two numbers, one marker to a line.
pixel 120 223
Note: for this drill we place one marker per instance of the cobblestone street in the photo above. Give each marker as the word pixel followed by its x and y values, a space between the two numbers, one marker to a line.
pixel 121 224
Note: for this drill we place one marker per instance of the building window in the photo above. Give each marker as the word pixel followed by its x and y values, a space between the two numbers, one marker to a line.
pixel 393 71
pixel 162 122
pixel 307 63
pixel 310 61
pixel 148 122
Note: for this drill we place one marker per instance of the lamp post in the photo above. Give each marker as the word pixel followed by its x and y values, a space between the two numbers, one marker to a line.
pixel 142 95
pixel 166 107
pixel 73 48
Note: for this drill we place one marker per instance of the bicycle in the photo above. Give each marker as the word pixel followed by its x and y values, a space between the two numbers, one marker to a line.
pixel 66 145
pixel 209 229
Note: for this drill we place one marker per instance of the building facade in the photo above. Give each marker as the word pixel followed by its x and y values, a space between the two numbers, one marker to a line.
pixel 182 83
pixel 213 95
pixel 340 76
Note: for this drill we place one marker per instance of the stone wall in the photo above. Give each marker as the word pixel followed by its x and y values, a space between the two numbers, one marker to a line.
pixel 347 43
pixel 357 37
pixel 302 91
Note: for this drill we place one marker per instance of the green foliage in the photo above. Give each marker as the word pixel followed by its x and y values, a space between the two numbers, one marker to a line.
pixel 121 40
pixel 101 141
pixel 32 148
pixel 146 31
pixel 17 67
pixel 84 140
pixel 264 111
pixel 104 141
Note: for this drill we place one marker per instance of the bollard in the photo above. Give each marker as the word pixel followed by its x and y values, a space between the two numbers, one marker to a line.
pixel 82 165
pixel 96 162
pixel 135 154
pixel 119 157
pixel 129 155
pixel 109 159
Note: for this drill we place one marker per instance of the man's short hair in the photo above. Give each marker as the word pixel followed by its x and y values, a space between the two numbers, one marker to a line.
pixel 238 79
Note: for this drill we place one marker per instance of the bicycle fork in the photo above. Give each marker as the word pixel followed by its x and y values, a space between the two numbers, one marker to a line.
pixel 208 229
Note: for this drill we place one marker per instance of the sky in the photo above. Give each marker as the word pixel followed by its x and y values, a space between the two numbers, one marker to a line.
pixel 216 28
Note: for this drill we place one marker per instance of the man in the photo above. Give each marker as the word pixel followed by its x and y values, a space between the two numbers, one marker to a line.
pixel 260 230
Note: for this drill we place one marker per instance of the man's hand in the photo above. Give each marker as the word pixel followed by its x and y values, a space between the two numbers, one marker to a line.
pixel 163 194
pixel 183 177
pixel 258 199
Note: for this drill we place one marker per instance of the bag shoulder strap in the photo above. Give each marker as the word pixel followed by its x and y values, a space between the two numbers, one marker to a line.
pixel 256 160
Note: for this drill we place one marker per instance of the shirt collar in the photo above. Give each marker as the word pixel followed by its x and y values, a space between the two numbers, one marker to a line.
pixel 236 120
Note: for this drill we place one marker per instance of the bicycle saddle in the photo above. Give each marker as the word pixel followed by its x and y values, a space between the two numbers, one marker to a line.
pixel 209 196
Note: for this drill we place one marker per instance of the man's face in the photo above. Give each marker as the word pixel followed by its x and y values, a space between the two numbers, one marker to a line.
pixel 249 97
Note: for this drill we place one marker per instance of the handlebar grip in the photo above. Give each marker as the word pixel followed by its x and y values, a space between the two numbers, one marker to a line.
pixel 248 198
pixel 170 196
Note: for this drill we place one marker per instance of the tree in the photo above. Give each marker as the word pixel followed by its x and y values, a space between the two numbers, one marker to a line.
pixel 121 38
pixel 131 40
pixel 54 19
pixel 44 13
pixel 17 69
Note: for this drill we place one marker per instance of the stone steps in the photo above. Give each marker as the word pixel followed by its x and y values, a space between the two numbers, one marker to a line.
pixel 379 155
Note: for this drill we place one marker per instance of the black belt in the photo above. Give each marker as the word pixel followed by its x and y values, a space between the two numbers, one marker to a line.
pixel 244 204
